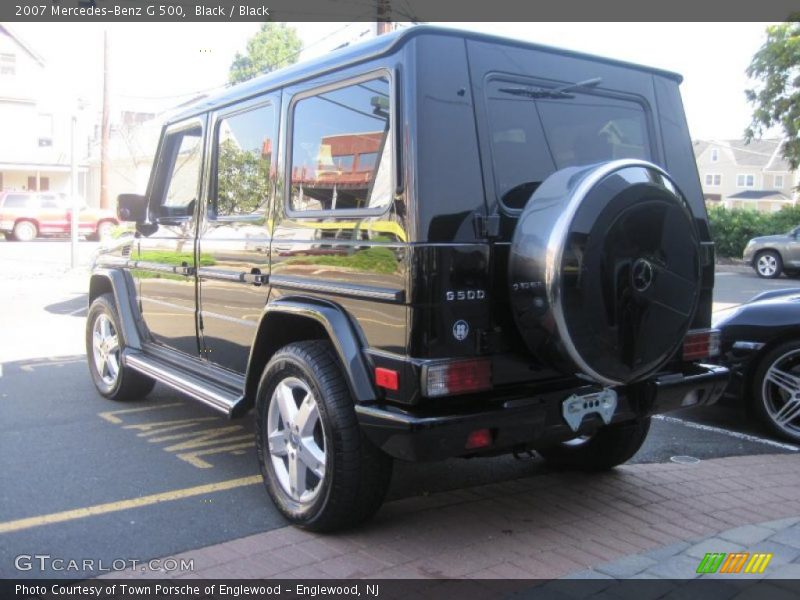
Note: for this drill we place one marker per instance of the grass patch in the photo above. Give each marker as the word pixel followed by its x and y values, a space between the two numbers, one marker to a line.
pixel 375 260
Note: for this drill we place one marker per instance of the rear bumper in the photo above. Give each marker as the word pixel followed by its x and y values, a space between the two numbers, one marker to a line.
pixel 529 420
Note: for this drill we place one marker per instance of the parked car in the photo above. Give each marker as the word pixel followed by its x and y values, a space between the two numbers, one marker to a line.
pixel 25 216
pixel 476 246
pixel 771 255
pixel 760 344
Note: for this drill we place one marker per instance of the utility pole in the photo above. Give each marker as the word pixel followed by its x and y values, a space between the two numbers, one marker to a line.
pixel 75 207
pixel 105 128
pixel 383 16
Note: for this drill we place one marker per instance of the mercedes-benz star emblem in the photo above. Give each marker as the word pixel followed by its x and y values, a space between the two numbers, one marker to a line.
pixel 642 275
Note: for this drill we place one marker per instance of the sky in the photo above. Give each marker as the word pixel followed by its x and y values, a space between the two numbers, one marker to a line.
pixel 156 65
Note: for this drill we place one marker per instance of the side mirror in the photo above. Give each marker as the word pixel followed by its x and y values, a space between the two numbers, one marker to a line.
pixel 132 207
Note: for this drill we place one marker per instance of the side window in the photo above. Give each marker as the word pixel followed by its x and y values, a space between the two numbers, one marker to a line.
pixel 341 155
pixel 244 151
pixel 50 201
pixel 18 201
pixel 184 154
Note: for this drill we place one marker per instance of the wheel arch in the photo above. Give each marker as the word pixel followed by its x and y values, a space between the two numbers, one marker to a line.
pixel 33 220
pixel 120 285
pixel 297 319
pixel 761 251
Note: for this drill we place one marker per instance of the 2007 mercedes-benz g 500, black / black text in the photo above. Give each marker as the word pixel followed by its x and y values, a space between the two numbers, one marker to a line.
pixel 433 244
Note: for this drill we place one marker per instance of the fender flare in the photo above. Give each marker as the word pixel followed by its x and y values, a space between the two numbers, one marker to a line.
pixel 121 285
pixel 340 330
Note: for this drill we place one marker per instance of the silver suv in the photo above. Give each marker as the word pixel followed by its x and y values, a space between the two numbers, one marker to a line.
pixel 771 255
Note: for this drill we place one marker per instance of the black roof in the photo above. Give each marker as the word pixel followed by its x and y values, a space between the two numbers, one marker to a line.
pixel 759 195
pixel 368 50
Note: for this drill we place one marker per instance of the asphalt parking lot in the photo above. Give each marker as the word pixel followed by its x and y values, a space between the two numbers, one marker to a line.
pixel 164 475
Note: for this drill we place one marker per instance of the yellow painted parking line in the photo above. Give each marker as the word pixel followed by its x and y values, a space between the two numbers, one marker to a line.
pixel 101 509
pixel 111 418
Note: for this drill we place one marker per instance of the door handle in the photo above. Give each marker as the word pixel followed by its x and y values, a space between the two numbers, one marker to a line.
pixel 255 277
pixel 184 269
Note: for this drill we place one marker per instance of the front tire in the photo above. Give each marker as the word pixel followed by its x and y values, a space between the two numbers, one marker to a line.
pixel 776 391
pixel 609 447
pixel 320 470
pixel 768 264
pixel 104 351
pixel 104 230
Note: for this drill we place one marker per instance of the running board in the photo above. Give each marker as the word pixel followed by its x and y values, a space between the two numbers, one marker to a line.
pixel 220 398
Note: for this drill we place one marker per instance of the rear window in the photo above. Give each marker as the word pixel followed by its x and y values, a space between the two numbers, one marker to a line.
pixel 531 138
pixel 17 201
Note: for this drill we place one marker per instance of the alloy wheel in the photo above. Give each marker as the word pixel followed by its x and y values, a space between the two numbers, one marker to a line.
pixel 296 440
pixel 767 265
pixel 105 349
pixel 780 392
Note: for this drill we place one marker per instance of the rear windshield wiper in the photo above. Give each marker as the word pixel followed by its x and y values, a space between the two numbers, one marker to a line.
pixel 557 93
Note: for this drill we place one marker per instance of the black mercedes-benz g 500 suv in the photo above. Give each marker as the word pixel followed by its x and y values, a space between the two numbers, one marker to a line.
pixel 432 244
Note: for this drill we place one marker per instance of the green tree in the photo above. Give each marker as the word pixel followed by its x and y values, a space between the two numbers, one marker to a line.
pixel 275 45
pixel 243 180
pixel 776 97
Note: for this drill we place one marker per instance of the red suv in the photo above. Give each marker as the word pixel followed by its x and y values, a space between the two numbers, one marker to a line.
pixel 27 215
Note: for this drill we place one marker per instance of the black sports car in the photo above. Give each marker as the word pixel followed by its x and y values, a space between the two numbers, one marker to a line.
pixel 760 343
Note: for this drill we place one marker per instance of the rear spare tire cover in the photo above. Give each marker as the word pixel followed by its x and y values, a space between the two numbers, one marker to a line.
pixel 604 270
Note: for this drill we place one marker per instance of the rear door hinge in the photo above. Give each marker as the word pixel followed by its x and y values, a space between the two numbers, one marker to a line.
pixel 487 226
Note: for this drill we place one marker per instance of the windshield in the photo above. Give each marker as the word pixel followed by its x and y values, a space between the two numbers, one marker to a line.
pixel 534 137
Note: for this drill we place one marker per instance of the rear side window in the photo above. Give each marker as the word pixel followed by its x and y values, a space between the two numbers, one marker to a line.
pixel 18 201
pixel 534 137
pixel 245 143
pixel 341 153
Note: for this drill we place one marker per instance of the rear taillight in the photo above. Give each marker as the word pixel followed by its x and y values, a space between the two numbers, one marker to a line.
pixel 457 377
pixel 701 343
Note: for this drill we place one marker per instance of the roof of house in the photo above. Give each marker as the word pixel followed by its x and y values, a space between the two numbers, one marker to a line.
pixel 4 27
pixel 760 195
pixel 763 154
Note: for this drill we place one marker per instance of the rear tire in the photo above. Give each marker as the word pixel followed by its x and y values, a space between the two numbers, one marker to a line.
pixel 768 264
pixel 104 348
pixel 319 468
pixel 25 231
pixel 609 447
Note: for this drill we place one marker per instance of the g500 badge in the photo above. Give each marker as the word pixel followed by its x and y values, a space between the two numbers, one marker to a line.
pixel 460 330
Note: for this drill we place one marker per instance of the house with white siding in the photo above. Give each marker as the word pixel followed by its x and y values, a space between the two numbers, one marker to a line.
pixel 35 122
pixel 737 174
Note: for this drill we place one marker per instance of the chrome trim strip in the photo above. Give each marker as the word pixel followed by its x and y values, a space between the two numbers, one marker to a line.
pixel 338 288
pixel 555 251
pixel 144 364
pixel 748 346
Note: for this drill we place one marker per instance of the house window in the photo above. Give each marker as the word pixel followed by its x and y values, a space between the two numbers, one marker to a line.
pixel 714 155
pixel 745 181
pixel 778 182
pixel 45 125
pixel 8 64
pixel 713 179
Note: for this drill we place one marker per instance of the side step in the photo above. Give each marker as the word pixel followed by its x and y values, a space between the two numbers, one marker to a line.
pixel 220 398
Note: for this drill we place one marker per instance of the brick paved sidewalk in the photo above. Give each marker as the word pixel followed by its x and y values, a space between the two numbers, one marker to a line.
pixel 545 526
pixel 680 560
